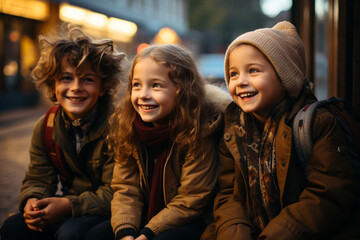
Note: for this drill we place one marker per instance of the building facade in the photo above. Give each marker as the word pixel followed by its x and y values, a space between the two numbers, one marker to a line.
pixel 128 22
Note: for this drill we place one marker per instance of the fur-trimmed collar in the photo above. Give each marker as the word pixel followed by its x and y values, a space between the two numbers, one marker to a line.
pixel 219 97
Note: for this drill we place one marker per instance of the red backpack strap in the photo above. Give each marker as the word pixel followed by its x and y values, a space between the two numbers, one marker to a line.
pixel 53 150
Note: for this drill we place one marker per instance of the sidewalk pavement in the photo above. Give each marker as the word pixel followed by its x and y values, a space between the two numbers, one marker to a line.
pixel 15 135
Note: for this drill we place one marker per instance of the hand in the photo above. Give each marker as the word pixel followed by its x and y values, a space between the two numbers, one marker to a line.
pixel 32 215
pixel 54 209
pixel 141 237
pixel 127 238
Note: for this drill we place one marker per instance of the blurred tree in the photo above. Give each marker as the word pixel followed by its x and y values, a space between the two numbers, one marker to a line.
pixel 223 20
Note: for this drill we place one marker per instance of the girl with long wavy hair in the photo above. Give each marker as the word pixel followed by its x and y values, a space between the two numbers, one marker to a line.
pixel 164 136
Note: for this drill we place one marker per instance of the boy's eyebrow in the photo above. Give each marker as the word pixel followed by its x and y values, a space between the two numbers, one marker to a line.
pixel 65 72
pixel 89 73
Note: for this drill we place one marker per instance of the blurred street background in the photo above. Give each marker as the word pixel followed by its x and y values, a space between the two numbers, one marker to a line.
pixel 15 136
pixel 329 29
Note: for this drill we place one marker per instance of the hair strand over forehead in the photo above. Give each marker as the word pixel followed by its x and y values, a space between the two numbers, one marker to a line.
pixel 73 45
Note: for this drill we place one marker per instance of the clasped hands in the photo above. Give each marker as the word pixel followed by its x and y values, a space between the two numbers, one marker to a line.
pixel 41 213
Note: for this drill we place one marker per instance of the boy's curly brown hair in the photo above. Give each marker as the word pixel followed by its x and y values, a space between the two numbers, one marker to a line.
pixel 72 43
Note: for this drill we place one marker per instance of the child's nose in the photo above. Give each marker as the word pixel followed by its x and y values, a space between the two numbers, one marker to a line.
pixel 76 85
pixel 242 80
pixel 144 93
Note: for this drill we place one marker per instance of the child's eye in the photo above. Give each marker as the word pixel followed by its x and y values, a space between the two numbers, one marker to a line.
pixel 136 85
pixel 253 70
pixel 65 78
pixel 233 74
pixel 157 85
pixel 89 80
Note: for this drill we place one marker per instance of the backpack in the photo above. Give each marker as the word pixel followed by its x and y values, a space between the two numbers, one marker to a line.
pixel 53 150
pixel 347 119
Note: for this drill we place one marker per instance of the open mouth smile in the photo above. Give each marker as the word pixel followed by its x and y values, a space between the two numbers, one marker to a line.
pixel 148 107
pixel 76 99
pixel 247 95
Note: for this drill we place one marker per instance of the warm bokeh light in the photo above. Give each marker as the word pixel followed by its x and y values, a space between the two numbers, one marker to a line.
pixel 28 53
pixel 166 36
pixel 33 9
pixel 72 14
pixel 122 27
pixel 141 47
pixel 96 19
pixel 114 28
pixel 11 68
pixel 14 36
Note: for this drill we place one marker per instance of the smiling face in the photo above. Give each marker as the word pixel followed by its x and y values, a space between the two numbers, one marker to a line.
pixel 253 84
pixel 153 93
pixel 77 92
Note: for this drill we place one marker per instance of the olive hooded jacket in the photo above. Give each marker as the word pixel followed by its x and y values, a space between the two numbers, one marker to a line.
pixel 92 169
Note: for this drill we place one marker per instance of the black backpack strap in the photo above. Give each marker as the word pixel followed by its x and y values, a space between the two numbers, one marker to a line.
pixel 53 150
pixel 302 133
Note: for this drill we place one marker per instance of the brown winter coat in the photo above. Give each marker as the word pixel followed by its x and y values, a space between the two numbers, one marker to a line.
pixel 317 203
pixel 188 183
pixel 90 193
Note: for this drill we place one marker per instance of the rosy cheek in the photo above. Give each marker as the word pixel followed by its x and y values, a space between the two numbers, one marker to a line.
pixel 232 89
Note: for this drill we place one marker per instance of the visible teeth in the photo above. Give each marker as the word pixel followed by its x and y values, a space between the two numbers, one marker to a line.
pixel 147 107
pixel 75 99
pixel 244 95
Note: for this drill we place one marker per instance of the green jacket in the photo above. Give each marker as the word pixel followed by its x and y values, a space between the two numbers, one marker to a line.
pixel 317 203
pixel 90 193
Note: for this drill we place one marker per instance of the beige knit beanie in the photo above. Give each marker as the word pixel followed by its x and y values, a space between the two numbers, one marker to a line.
pixel 283 47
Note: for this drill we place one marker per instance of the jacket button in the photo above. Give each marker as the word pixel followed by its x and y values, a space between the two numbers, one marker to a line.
pixel 285 134
pixel 283 163
pixel 227 136
pixel 340 150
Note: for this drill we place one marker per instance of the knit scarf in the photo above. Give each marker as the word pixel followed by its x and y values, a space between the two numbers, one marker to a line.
pixel 258 158
pixel 156 140
pixel 78 128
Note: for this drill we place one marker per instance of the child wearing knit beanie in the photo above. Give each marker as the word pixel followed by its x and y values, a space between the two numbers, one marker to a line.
pixel 264 193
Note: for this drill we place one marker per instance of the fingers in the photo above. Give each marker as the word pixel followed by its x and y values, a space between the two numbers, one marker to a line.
pixel 127 238
pixel 141 237
pixel 35 224
pixel 34 214
pixel 40 204
pixel 29 204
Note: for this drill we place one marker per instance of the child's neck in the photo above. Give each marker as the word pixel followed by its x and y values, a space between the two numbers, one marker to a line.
pixel 260 119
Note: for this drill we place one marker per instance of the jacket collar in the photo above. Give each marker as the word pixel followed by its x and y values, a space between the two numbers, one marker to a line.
pixel 96 131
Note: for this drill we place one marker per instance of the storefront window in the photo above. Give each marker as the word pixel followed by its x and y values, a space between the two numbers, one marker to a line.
pixel 19 57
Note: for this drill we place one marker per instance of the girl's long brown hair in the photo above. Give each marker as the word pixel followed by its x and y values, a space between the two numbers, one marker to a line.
pixel 186 117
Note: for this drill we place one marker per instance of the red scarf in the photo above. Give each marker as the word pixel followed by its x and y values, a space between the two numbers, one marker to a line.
pixel 156 139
